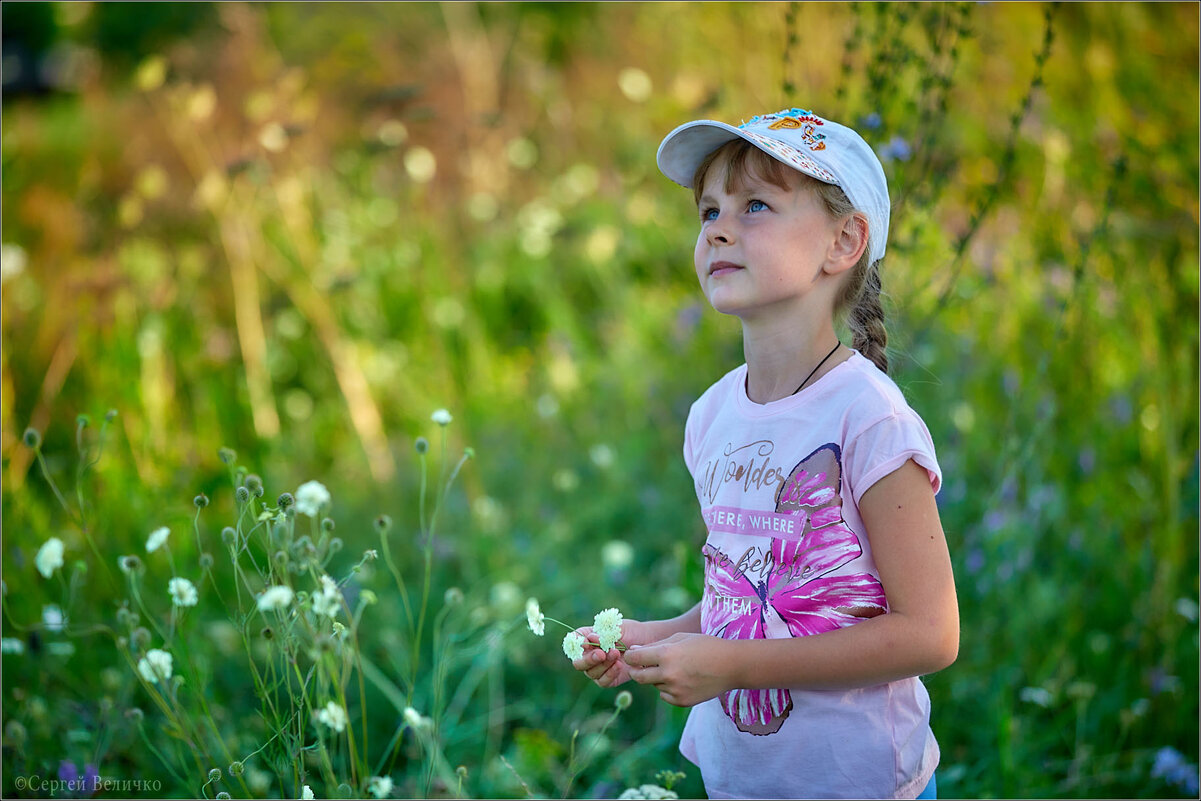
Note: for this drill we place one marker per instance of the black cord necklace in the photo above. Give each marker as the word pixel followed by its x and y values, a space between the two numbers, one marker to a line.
pixel 837 345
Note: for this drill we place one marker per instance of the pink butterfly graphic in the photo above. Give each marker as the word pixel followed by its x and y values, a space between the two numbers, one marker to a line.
pixel 794 591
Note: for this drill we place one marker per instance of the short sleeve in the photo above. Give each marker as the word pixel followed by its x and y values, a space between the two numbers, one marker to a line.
pixel 886 445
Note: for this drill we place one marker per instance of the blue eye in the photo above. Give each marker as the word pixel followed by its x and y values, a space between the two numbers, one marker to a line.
pixel 708 214
pixel 756 205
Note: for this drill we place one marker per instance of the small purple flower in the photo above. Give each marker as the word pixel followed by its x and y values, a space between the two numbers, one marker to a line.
pixel 1087 460
pixel 975 561
pixel 1171 766
pixel 79 786
pixel 896 149
pixel 871 121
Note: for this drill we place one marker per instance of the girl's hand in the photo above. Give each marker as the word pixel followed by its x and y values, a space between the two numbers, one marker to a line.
pixel 686 668
pixel 608 669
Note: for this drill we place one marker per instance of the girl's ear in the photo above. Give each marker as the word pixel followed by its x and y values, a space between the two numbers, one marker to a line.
pixel 848 246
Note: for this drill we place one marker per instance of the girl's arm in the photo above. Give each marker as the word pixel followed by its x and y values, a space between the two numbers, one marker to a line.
pixel 608 669
pixel 918 635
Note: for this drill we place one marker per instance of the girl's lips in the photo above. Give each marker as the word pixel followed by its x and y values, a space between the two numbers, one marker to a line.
pixel 718 268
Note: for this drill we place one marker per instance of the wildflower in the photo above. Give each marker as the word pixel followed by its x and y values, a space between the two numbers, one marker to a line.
pixel 617 554
pixel 897 148
pixel 623 699
pixel 157 539
pixel 415 719
pixel 380 786
pixel 535 617
pixel 441 417
pixel 156 665
pixel 652 791
pixel 328 600
pixel 242 495
pixel 32 438
pixel 275 598
pixel 53 618
pixel 201 501
pixel 306 793
pixel 607 626
pixel 254 484
pixel 183 592
pixel 1037 695
pixel 573 645
pixel 11 645
pixel 284 500
pixel 311 497
pixel 333 716
pixel 50 557
pixel 1171 766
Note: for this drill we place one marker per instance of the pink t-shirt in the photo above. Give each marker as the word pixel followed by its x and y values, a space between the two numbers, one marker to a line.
pixel 779 486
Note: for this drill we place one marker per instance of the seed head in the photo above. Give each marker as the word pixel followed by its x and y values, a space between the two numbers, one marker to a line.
pixel 236 768
pixel 222 796
pixel 255 484
pixel 623 700
pixel 130 564
pixel 201 501
pixel 422 444
pixel 383 524
pixel 215 775
pixel 206 561
pixel 32 438
pixel 285 500
pixel 241 495
pixel 227 455
pixel 229 535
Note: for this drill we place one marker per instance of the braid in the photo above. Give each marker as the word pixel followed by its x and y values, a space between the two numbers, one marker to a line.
pixel 866 319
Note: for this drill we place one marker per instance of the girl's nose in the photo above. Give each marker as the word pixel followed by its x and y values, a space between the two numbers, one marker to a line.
pixel 719 232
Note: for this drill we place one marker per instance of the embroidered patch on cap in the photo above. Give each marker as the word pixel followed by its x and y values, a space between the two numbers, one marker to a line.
pixel 792 155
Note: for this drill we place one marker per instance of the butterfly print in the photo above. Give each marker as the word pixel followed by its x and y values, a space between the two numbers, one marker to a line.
pixel 788 589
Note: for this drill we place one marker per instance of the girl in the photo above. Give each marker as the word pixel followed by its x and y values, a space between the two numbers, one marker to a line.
pixel 828 587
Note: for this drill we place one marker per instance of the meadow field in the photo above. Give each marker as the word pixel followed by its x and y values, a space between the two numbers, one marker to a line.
pixel 333 333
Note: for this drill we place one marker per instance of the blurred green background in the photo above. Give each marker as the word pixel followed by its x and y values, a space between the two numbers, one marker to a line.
pixel 295 230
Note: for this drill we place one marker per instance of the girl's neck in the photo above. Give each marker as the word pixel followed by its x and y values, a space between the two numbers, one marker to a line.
pixel 779 360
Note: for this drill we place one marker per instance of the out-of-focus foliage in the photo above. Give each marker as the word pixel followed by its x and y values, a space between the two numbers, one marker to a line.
pixel 296 229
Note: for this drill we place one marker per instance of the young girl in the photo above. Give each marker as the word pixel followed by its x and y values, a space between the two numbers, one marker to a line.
pixel 828 586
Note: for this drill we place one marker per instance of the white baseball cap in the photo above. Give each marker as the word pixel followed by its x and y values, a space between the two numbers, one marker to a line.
pixel 820 148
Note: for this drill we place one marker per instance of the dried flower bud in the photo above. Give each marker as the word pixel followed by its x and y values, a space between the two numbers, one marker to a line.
pixel 215 775
pixel 227 455
pixel 461 771
pixel 623 700
pixel 139 638
pixel 255 484
pixel 242 495
pixel 285 500
pixel 267 633
pixel 370 555
pixel 223 796
pixel 206 561
pixel 130 564
pixel 32 438
pixel 383 524
pixel 236 768
pixel 422 444
pixel 229 535
pixel 201 501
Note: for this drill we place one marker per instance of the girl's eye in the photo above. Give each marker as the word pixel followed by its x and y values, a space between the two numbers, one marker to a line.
pixel 756 205
pixel 708 214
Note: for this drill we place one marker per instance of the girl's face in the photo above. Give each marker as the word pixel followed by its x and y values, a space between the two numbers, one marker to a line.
pixel 762 248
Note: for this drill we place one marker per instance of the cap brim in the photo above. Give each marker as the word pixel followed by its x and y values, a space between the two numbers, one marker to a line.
pixel 683 150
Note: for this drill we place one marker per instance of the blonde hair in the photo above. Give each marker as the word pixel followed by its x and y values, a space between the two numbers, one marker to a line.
pixel 859 300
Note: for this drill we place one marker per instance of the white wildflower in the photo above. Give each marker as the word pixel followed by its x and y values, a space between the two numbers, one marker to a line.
pixel 50 557
pixel 380 786
pixel 274 598
pixel 156 665
pixel 333 716
pixel 183 592
pixel 651 791
pixel 414 718
pixel 607 626
pixel 573 645
pixel 534 616
pixel 441 417
pixel 1037 695
pixel 328 601
pixel 53 618
pixel 11 645
pixel 157 539
pixel 311 498
pixel 306 793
